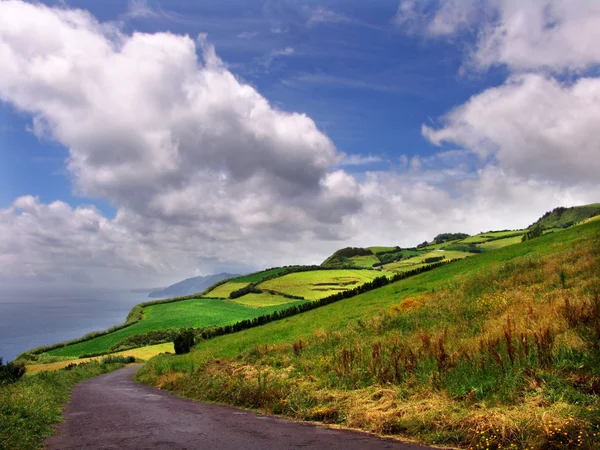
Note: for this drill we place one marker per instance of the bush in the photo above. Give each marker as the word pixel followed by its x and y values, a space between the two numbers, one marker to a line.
pixel 433 259
pixel 11 372
pixel 118 359
pixel 184 342
pixel 533 233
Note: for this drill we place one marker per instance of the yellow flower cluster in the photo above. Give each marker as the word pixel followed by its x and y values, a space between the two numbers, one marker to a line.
pixel 492 302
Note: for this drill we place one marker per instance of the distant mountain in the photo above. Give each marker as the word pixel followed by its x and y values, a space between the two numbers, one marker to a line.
pixel 191 285
pixel 145 290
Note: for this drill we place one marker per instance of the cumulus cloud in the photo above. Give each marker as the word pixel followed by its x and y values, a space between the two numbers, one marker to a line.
pixel 533 125
pixel 205 174
pixel 163 135
pixel 555 35
pixel 141 116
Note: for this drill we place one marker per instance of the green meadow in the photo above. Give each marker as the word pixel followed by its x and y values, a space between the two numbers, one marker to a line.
pixel 194 313
pixel 263 299
pixel 317 284
pixel 223 290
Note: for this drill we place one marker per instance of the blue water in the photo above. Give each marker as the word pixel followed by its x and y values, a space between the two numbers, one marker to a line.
pixel 30 318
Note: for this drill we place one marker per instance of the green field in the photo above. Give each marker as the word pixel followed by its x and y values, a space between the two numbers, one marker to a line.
pixel 498 243
pixel 183 314
pixel 141 353
pixel 223 290
pixel 259 276
pixel 419 260
pixel 481 353
pixel 379 249
pixel 363 261
pixel 317 284
pixel 263 299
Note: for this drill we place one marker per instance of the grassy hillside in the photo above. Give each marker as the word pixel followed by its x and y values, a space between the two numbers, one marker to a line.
pixel 396 259
pixel 277 289
pixel 498 350
pixel 187 313
pixel 566 217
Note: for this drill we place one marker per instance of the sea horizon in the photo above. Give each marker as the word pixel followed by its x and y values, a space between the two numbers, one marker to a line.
pixel 32 317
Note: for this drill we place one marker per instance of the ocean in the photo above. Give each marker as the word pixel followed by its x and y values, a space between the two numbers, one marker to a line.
pixel 34 317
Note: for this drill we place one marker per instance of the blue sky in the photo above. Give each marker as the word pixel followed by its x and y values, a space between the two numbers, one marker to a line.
pixel 364 82
pixel 385 123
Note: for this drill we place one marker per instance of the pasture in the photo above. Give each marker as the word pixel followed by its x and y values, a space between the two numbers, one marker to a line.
pixel 143 353
pixel 223 290
pixel 419 260
pixel 366 261
pixel 263 299
pixel 194 313
pixel 317 284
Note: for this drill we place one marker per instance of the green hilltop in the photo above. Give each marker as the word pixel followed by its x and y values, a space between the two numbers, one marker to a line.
pixel 565 217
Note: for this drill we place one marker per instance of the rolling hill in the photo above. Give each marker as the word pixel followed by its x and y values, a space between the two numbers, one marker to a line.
pixel 565 217
pixel 498 350
pixel 477 341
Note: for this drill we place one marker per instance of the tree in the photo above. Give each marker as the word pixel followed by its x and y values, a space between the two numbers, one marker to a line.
pixel 184 342
pixel 536 231
pixel 10 372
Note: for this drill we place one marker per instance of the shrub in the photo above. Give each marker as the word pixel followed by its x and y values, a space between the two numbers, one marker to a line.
pixel 184 342
pixel 118 359
pixel 11 372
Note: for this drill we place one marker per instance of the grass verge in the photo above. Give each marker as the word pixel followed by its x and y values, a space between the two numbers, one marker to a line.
pixel 30 407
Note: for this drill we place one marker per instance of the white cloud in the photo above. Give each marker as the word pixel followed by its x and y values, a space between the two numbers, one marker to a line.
pixel 359 160
pixel 436 18
pixel 321 15
pixel 140 9
pixel 533 126
pixel 206 175
pixel 164 137
pixel 248 34
pixel 555 35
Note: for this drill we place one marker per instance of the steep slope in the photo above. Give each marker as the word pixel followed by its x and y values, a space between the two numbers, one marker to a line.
pixel 496 350
pixel 565 217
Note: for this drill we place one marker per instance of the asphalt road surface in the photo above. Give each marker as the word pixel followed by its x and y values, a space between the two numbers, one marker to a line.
pixel 114 412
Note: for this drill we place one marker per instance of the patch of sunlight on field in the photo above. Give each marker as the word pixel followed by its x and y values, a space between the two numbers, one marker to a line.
pixel 317 284
pixel 419 261
pixel 381 249
pixel 143 353
pixel 263 299
pixel 499 243
pixel 364 261
pixel 224 290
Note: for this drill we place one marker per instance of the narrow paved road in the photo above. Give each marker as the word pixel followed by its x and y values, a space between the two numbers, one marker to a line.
pixel 114 412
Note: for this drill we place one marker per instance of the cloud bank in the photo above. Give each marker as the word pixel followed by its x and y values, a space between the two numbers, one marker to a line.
pixel 205 174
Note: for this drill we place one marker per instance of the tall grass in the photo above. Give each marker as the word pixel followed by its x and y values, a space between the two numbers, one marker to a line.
pixel 497 351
